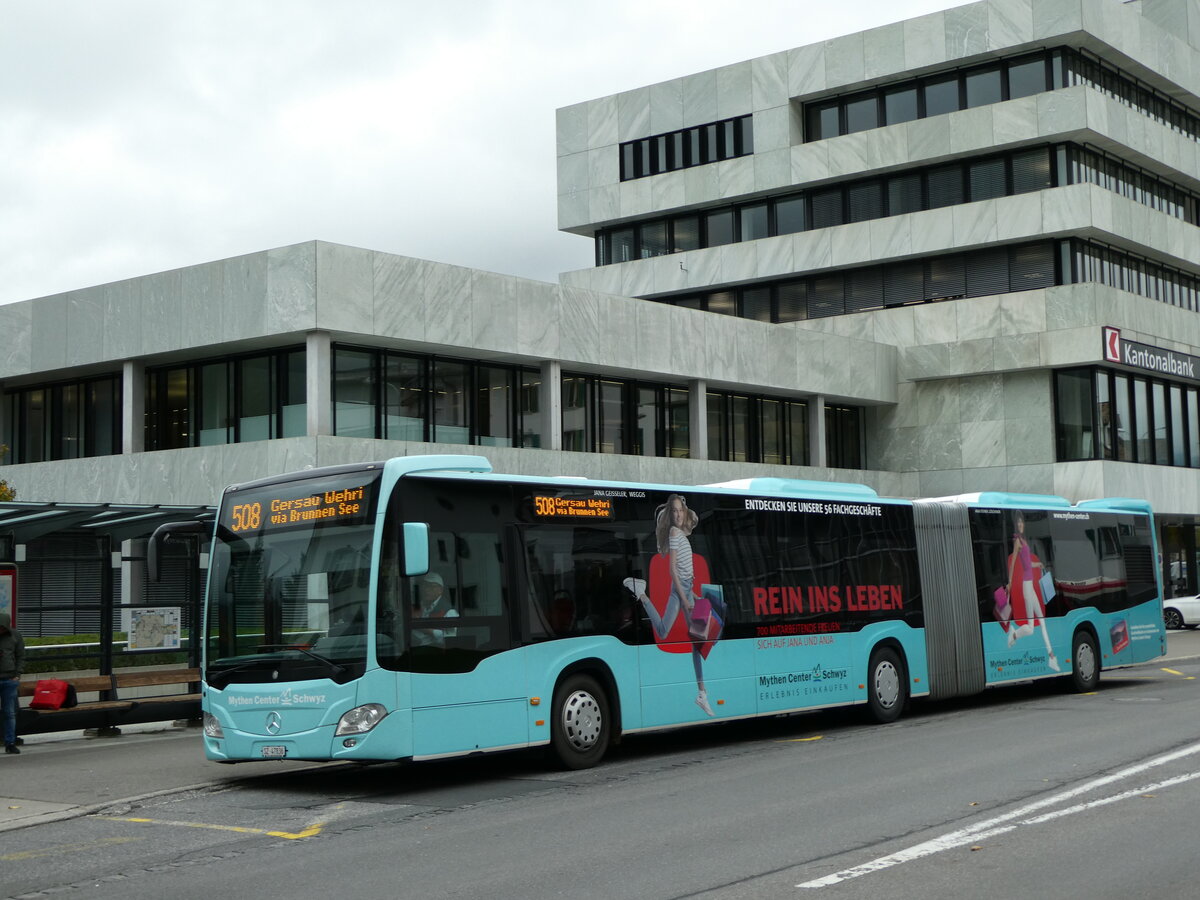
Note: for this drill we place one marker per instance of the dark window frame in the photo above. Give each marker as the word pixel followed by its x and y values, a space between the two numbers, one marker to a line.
pixel 1116 410
pixel 711 142
pixel 53 434
pixel 1063 67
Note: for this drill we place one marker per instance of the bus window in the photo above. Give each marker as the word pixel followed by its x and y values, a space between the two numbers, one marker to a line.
pixel 465 584
pixel 574 577
pixel 466 573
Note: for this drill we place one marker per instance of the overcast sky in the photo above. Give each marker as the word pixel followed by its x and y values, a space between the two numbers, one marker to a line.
pixel 143 135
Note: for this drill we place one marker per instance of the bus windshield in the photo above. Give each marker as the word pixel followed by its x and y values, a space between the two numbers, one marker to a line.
pixel 290 581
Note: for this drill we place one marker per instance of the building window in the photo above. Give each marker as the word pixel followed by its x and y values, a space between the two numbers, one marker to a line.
pixel 695 146
pixel 259 413
pixel 216 401
pixel 940 95
pixel 718 228
pixel 68 420
pixel 996 270
pixel 862 113
pixel 1075 414
pixel 577 406
pixel 1093 261
pixel 900 105
pixel 974 86
pixel 1027 76
pixel 529 409
pixel 677 422
pixel 1083 68
pixel 449 393
pixel 608 415
pixel 970 180
pixel 231 400
pixel 843 437
pixel 1102 414
pixel 354 392
pixel 408 397
pixel 984 86
pixel 750 428
pixel 1084 164
pixel 494 397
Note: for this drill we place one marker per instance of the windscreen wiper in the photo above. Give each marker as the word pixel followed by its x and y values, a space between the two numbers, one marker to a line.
pixel 220 679
pixel 335 668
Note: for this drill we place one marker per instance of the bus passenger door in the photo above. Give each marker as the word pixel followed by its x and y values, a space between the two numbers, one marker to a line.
pixel 468 682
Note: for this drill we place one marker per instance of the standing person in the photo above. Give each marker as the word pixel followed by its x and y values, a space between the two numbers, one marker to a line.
pixel 1027 612
pixel 674 524
pixel 12 664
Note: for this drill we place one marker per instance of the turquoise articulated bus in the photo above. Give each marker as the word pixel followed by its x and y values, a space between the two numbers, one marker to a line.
pixel 425 607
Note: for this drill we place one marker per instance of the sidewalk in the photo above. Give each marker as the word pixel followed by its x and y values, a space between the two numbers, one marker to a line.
pixel 68 774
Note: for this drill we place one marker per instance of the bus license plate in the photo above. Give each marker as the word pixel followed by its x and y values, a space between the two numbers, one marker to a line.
pixel 274 752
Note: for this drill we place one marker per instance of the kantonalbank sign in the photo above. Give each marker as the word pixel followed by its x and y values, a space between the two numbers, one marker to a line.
pixel 1150 359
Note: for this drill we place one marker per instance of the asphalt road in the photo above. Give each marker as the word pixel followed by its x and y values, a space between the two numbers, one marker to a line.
pixel 1018 792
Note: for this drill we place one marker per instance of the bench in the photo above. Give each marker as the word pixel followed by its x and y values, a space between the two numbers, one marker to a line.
pixel 117 701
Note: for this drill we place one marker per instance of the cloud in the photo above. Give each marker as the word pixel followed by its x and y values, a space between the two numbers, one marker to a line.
pixel 140 135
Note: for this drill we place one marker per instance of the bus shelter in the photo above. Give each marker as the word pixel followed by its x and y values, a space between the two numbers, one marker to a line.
pixel 74 577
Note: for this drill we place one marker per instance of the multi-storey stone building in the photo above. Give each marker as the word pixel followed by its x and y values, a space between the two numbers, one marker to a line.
pixel 951 254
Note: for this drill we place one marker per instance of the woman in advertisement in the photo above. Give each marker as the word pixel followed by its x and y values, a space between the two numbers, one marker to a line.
pixel 674 524
pixel 1027 612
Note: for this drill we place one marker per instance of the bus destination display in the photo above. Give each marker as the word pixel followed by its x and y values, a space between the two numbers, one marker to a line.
pixel 572 507
pixel 266 511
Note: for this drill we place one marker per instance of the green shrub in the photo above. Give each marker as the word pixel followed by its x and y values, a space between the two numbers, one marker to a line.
pixel 40 656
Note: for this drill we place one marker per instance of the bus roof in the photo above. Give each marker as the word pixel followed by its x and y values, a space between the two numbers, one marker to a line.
pixel 1004 498
pixel 800 487
pixel 477 467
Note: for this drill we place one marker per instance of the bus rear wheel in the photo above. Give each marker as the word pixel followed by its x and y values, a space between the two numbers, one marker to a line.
pixel 580 729
pixel 887 686
pixel 1085 662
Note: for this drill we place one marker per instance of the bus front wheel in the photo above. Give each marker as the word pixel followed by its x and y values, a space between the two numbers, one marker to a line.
pixel 887 686
pixel 1085 662
pixel 580 729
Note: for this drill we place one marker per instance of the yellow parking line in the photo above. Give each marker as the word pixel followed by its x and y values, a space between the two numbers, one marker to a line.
pixel 801 740
pixel 311 831
pixel 1172 671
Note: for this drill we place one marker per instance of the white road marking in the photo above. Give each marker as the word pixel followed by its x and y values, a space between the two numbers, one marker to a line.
pixel 996 825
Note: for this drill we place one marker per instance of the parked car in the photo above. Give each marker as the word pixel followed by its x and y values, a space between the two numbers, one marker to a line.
pixel 1182 612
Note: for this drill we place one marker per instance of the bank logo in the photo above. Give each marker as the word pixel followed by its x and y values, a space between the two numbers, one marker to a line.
pixel 1112 344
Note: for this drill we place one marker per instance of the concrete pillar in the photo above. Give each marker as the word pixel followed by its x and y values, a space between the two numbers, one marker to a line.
pixel 817 455
pixel 550 404
pixel 5 437
pixel 133 406
pixel 698 419
pixel 318 362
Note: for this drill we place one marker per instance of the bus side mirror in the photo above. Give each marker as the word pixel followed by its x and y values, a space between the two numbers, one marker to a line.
pixel 416 548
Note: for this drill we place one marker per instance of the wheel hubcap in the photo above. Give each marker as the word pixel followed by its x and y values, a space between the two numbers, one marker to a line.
pixel 1085 661
pixel 887 684
pixel 581 720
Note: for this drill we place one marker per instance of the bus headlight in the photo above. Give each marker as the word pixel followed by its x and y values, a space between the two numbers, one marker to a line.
pixel 361 719
pixel 212 728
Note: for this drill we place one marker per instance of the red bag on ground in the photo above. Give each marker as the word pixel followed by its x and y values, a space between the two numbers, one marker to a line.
pixel 49 693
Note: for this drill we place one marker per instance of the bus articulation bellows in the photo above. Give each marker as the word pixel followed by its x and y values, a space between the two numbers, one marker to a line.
pixel 425 607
